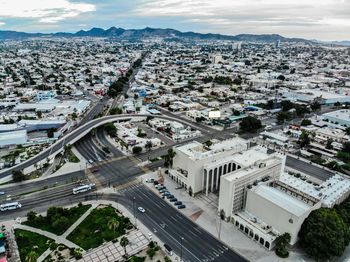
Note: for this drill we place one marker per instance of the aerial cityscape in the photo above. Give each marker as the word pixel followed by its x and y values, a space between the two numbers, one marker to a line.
pixel 174 131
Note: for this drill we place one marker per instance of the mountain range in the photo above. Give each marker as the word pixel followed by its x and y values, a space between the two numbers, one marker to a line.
pixel 135 34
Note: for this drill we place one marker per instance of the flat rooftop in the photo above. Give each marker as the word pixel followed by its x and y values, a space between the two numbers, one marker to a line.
pixel 196 150
pixel 343 114
pixel 282 200
pixel 328 192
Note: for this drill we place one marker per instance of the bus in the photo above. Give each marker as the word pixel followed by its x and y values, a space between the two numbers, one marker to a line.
pixel 10 206
pixel 83 188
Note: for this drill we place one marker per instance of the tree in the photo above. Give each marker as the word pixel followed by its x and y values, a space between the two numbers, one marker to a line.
pixel 282 117
pixel 250 124
pixel 50 132
pixel 31 216
pixel 304 139
pixel 324 234
pixel 305 122
pixel 113 224
pixel 136 150
pixel 18 176
pixel 170 156
pixel 110 129
pixel 315 106
pixel 148 145
pixel 329 144
pixel 281 245
pixel 124 241
pixel 151 253
pixel 32 256
pixel 347 131
pixel 116 111
pixel 287 105
pixel 281 77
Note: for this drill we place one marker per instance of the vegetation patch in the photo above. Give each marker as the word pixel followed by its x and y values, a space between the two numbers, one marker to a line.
pixel 102 225
pixel 57 220
pixel 31 245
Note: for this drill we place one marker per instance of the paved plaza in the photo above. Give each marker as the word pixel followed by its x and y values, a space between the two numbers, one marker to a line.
pixel 114 251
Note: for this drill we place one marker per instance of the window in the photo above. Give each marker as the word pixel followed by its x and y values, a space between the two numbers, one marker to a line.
pixel 251 234
pixel 246 230
pixel 241 227
pixel 267 245
pixel 256 237
pixel 262 241
pixel 237 224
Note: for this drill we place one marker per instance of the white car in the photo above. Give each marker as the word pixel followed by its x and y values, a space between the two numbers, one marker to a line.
pixel 141 209
pixel 2 193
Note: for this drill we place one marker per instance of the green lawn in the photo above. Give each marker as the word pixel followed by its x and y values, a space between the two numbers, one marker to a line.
pixel 57 220
pixel 96 229
pixel 72 157
pixel 29 241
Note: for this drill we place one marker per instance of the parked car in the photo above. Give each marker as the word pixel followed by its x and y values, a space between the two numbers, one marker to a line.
pixel 170 196
pixel 173 199
pixel 141 209
pixel 149 180
pixel 155 182
pixel 95 170
pixel 178 203
pixel 181 206
pixel 166 193
pixel 2 193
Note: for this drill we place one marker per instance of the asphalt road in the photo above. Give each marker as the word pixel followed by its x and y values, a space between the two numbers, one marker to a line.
pixel 170 226
pixel 39 184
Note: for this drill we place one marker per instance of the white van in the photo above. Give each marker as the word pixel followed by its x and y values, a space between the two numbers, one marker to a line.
pixel 10 206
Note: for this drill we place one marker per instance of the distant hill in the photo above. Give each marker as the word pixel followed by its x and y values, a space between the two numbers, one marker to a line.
pixel 147 32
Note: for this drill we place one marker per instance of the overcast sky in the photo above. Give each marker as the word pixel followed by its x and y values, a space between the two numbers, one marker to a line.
pixel 311 19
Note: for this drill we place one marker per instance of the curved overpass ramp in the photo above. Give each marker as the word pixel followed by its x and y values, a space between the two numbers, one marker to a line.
pixel 80 132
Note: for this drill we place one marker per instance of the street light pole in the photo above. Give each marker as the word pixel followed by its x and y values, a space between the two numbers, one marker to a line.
pixel 133 204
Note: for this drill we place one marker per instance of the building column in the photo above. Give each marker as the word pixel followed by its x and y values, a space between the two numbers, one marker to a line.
pixel 212 181
pixel 207 184
pixel 217 181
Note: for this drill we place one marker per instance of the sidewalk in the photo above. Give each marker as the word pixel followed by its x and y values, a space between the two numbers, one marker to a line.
pixel 57 239
pixel 77 223
pixel 203 211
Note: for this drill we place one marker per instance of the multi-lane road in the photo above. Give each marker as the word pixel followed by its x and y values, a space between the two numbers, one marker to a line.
pixel 175 229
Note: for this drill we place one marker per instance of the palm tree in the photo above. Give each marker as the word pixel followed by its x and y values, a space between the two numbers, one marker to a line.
pixel 124 241
pixel 32 256
pixel 171 155
pixel 113 224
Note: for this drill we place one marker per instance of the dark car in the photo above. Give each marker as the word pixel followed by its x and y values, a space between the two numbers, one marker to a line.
pixel 181 206
pixel 170 196
pixel 178 203
pixel 95 170
pixel 155 182
pixel 173 199
pixel 166 194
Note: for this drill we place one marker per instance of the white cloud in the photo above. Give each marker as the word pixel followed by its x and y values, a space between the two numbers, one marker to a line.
pixel 47 11
pixel 304 18
pixel 2 23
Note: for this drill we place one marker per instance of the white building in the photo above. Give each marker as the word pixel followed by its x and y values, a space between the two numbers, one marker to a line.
pixel 340 117
pixel 309 95
pixel 13 138
pixel 255 165
pixel 194 163
pixel 270 211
